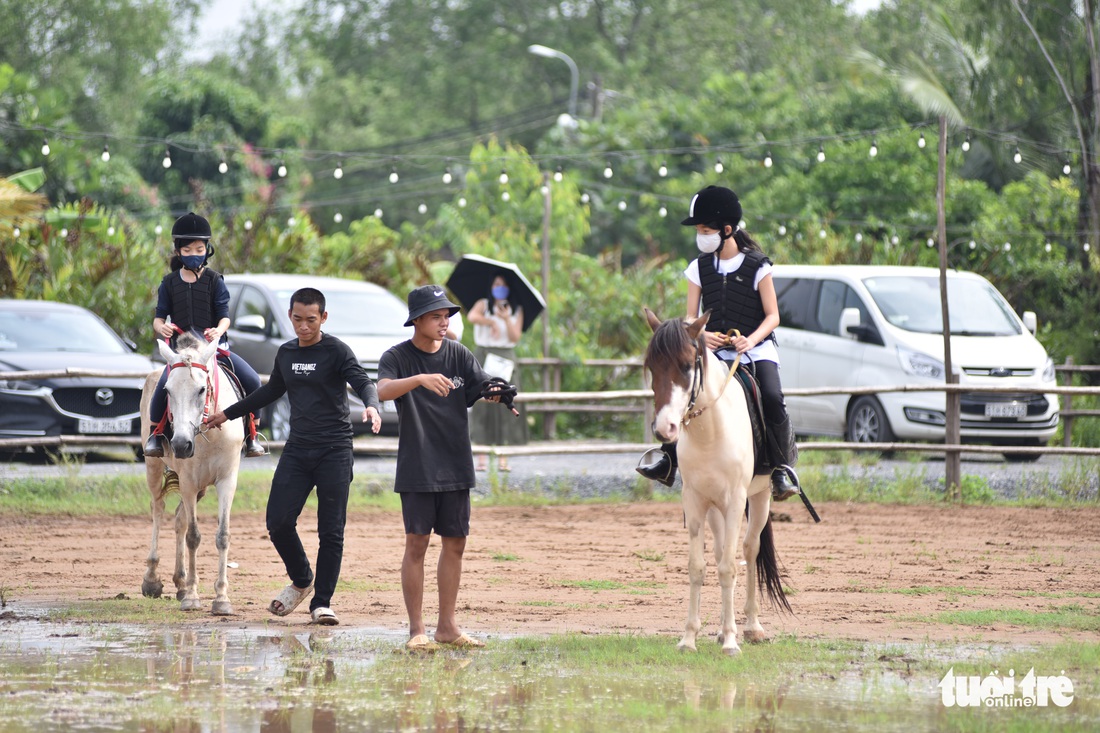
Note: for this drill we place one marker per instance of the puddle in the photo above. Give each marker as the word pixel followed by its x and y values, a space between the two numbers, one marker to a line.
pixel 92 677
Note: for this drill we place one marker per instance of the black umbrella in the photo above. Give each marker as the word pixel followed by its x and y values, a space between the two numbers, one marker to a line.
pixel 473 277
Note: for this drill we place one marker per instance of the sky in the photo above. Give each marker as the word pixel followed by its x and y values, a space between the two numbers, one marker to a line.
pixel 224 17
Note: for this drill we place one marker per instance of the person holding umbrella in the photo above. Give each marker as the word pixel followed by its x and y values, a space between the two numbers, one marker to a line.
pixel 498 326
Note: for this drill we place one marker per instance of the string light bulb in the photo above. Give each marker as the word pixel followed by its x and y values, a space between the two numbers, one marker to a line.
pixel 558 175
pixel 585 198
pixel 931 243
pixel 782 230
pixel 45 146
pixel 966 144
pixel 167 162
pixel 105 156
pixel 544 189
pixel 337 217
pixel 859 237
pixel 607 172
pixel 16 232
pixel 110 231
pixel 662 212
pixel 223 167
pixel 820 153
pixel 64 233
pixel 1008 246
pixel 718 167
pixel 503 178
pixel 663 170
pixel 158 230
pixel 972 244
pixel 1066 169
pixel 622 205
pixel 505 196
pixel 768 159
pixel 1017 157
pixel 462 202
pixel 394 178
pixel 1047 247
pixel 423 208
pixel 291 221
pixel 248 225
pixel 874 148
pixel 378 213
pixel 447 177
pixel 282 170
pixel 921 142
pixel 338 171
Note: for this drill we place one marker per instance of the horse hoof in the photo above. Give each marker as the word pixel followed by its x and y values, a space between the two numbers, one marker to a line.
pixel 180 594
pixel 189 604
pixel 685 646
pixel 732 651
pixel 754 636
pixel 152 589
pixel 222 608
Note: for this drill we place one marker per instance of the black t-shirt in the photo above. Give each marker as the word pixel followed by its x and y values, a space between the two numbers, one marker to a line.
pixel 433 445
pixel 314 378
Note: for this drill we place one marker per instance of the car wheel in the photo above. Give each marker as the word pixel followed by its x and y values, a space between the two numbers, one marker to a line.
pixel 278 419
pixel 867 422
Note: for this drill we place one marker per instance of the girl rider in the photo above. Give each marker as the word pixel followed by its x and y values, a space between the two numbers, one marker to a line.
pixel 196 299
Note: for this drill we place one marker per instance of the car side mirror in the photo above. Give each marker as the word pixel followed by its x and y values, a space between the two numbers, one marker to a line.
pixel 1031 323
pixel 129 343
pixel 849 323
pixel 252 324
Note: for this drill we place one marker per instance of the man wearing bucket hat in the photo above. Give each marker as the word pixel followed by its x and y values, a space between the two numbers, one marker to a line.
pixel 433 380
pixel 747 303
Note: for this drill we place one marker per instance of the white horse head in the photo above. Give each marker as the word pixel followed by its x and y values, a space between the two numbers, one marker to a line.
pixel 191 367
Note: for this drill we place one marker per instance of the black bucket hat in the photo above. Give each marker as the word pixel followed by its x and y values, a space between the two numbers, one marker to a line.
pixel 713 205
pixel 426 299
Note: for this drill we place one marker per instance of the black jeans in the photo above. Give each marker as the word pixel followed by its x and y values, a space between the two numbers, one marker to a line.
pixel 771 391
pixel 300 468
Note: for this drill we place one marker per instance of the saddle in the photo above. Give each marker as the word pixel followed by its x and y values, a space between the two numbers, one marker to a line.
pixel 747 379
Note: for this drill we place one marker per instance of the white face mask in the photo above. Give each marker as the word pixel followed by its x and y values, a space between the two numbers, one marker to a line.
pixel 708 243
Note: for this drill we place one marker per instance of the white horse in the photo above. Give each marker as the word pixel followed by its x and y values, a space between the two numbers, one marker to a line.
pixel 707 413
pixel 198 459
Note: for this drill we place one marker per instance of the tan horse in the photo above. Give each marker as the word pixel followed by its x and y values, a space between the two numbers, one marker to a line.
pixel 707 414
pixel 198 458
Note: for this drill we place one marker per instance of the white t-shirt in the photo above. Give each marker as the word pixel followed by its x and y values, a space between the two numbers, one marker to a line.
pixel 483 332
pixel 763 351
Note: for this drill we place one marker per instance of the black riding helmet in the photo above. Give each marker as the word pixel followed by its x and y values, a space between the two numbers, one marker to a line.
pixel 191 227
pixel 714 207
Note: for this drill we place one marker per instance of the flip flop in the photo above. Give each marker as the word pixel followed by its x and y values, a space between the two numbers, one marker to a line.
pixel 323 616
pixel 421 643
pixel 464 642
pixel 289 598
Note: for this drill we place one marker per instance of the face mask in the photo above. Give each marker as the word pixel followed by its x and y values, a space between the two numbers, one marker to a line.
pixel 192 262
pixel 708 243
pixel 500 292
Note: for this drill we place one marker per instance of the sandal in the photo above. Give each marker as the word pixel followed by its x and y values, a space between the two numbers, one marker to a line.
pixel 289 599
pixel 323 616
pixel 464 642
pixel 421 643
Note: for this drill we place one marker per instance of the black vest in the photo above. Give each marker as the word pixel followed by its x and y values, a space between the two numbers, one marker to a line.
pixel 731 299
pixel 192 304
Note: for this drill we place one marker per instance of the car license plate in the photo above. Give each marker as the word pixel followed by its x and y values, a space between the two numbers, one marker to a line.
pixel 105 427
pixel 1005 409
pixel 389 406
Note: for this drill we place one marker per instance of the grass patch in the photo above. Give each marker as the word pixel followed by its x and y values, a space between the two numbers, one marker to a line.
pixel 649 555
pixel 1064 618
pixel 505 557
pixel 925 590
pixel 592 584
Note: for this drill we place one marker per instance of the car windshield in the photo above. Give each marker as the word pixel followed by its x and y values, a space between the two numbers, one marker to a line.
pixel 361 313
pixel 44 330
pixel 913 303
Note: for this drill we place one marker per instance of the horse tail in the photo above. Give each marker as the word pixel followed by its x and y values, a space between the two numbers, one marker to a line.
pixel 767 570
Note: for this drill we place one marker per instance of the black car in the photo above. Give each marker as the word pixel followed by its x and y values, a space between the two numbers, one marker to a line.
pixel 43 335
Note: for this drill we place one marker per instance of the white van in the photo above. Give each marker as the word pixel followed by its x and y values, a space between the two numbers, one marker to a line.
pixel 864 325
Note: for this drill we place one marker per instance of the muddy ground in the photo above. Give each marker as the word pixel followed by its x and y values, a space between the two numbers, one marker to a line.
pixel 869 572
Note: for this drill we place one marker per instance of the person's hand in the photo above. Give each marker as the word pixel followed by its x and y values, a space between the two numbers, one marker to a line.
pixel 504 309
pixel 212 334
pixel 437 383
pixel 741 343
pixel 375 419
pixel 216 420
pixel 716 340
pixel 164 330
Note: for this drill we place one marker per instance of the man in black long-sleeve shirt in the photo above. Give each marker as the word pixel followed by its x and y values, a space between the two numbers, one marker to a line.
pixel 312 371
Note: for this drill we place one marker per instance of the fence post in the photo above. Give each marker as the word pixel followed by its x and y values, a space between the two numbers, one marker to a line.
pixel 1067 420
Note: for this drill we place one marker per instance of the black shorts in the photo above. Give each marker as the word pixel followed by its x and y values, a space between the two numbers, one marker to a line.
pixel 446 512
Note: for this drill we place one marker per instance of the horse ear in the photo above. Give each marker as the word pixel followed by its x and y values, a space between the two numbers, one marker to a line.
pixel 208 350
pixel 166 351
pixel 696 326
pixel 651 318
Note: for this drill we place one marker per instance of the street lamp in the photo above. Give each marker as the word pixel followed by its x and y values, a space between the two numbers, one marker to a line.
pixel 551 53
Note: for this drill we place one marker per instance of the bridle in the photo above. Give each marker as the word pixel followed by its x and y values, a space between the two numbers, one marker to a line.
pixel 690 413
pixel 213 386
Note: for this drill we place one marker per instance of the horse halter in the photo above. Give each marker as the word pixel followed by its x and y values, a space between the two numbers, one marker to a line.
pixel 212 386
pixel 690 413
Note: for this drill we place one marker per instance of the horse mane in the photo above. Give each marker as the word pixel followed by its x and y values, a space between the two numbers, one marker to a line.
pixel 189 342
pixel 669 342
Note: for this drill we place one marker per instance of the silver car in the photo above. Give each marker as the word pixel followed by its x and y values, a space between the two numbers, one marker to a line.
pixel 363 315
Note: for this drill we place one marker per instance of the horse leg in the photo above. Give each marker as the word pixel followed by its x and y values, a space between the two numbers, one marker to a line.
pixel 697 568
pixel 759 509
pixel 179 575
pixel 151 585
pixel 187 519
pixel 727 574
pixel 226 487
pixel 718 529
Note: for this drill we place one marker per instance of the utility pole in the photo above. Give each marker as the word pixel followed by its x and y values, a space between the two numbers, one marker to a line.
pixel 952 469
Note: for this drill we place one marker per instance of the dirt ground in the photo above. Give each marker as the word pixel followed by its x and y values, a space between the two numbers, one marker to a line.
pixel 617 568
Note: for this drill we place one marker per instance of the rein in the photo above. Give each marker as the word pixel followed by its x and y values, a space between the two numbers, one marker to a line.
pixel 690 413
pixel 213 386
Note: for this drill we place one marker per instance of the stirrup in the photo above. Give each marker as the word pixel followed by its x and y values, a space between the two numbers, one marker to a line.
pixel 660 469
pixel 252 447
pixel 781 492
pixel 156 442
